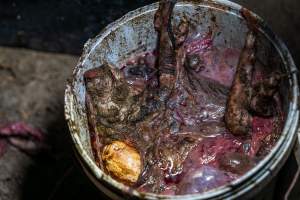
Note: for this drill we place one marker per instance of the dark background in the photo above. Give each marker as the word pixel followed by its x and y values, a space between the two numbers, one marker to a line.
pixel 63 26
pixel 58 25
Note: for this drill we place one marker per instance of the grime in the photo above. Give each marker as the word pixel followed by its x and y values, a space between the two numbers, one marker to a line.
pixel 186 117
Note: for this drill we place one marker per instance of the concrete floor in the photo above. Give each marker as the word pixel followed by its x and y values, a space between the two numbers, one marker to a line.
pixel 32 90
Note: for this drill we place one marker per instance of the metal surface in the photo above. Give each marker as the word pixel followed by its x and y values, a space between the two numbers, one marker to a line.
pixel 135 33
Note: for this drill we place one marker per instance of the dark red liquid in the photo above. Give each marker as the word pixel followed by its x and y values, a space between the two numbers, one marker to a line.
pixel 217 157
pixel 187 148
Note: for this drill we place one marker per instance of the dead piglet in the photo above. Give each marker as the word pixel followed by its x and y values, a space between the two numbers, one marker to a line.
pixel 99 85
pixel 111 105
pixel 111 99
pixel 237 116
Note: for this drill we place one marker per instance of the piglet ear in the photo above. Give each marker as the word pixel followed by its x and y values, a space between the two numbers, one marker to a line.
pixel 90 74
pixel 104 69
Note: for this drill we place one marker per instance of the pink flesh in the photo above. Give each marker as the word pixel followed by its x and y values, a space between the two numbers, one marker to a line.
pixel 206 152
pixel 220 65
pixel 21 129
pixel 219 62
pixel 22 136
pixel 262 128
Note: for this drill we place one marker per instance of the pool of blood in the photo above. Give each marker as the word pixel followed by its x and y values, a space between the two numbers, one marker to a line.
pixel 191 151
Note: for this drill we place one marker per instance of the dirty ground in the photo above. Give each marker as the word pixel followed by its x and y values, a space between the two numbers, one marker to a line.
pixel 32 90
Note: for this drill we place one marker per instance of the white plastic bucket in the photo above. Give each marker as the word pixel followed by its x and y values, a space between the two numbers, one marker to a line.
pixel 135 33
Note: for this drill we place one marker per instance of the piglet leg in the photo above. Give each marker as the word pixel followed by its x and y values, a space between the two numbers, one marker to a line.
pixel 166 54
pixel 237 116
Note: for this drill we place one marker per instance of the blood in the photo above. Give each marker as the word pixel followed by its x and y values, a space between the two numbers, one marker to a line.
pixel 198 153
pixel 206 156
